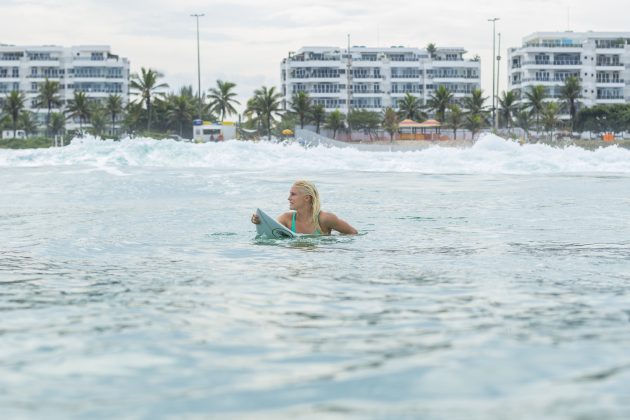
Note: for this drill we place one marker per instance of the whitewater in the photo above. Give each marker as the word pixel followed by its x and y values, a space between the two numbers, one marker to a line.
pixel 487 282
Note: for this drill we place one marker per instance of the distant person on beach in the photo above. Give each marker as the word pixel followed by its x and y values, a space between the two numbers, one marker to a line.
pixel 306 216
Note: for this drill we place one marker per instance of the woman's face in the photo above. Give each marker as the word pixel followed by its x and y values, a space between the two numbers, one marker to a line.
pixel 298 199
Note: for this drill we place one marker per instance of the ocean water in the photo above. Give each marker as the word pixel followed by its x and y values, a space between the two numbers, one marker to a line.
pixel 490 282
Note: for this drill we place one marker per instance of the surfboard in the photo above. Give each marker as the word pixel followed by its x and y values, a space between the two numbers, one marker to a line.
pixel 270 228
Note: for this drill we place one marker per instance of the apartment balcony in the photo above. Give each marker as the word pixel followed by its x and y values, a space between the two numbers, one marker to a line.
pixel 610 83
pixel 454 78
pixel 404 77
pixel 550 48
pixel 563 63
pixel 367 92
pixel 516 66
pixel 317 63
pixel 315 78
pixel 542 80
pixel 605 65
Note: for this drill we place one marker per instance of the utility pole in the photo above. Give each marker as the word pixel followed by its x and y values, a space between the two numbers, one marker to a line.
pixel 349 78
pixel 197 16
pixel 493 20
pixel 498 58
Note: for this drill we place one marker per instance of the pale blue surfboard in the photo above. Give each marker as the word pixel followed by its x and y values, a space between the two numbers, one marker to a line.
pixel 269 228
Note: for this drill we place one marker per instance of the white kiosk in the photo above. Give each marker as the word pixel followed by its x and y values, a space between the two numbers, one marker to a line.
pixel 205 131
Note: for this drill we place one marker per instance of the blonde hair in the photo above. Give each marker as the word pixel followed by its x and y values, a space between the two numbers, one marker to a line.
pixel 309 188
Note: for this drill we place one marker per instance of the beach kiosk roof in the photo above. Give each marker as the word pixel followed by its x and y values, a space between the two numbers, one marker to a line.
pixel 430 124
pixel 407 123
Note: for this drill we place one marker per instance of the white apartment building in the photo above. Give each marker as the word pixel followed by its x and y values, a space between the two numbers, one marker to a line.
pixel 92 69
pixel 600 60
pixel 377 77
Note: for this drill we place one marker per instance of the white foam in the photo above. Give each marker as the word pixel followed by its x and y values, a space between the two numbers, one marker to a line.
pixel 491 154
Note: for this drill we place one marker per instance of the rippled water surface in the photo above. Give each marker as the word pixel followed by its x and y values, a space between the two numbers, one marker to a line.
pixel 486 283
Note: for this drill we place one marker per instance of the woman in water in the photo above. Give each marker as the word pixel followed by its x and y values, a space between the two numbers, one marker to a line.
pixel 306 216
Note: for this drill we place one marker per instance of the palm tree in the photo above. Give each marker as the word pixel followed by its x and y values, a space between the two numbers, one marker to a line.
pixel 318 114
pixel 439 101
pixel 474 122
pixel 98 118
pixel 507 107
pixel 27 122
pixel 550 117
pixel 571 92
pixel 524 121
pixel 48 97
pixel 146 84
pixel 253 111
pixel 455 118
pixel 390 123
pixel 13 106
pixel 132 117
pixel 222 99
pixel 180 111
pixel 57 123
pixel 268 101
pixel 114 107
pixel 335 122
pixel 79 107
pixel 431 49
pixel 475 104
pixel 409 107
pixel 301 106
pixel 535 102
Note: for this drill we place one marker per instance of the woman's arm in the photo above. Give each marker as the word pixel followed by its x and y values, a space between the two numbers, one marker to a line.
pixel 335 223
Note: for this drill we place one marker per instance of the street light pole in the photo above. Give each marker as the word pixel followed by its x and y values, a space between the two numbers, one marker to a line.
pixel 493 20
pixel 197 16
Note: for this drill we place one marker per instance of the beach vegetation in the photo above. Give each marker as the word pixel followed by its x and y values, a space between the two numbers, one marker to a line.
pixel 114 108
pixel 179 113
pixel 410 107
pixel 98 118
pixel 79 107
pixel 455 118
pixel 364 120
pixel 507 108
pixel 147 86
pixel 318 116
pixel 335 122
pixel 57 123
pixel 27 122
pixel 534 102
pixel 390 122
pixel 267 102
pixel 550 118
pixel 223 99
pixel 13 105
pixel 48 97
pixel 301 106
pixel 439 101
pixel 570 93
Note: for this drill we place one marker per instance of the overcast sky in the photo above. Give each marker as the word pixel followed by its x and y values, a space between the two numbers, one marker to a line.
pixel 243 41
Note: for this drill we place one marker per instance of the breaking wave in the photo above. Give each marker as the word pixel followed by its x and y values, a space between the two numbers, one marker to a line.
pixel 490 154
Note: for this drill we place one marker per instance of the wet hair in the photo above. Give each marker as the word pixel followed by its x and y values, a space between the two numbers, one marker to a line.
pixel 309 188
